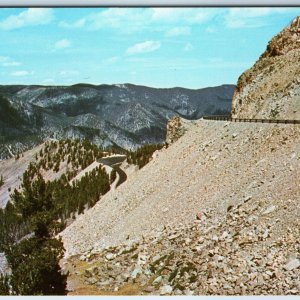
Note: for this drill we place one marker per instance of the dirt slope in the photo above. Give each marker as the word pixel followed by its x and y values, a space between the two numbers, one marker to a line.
pixel 12 171
pixel 214 165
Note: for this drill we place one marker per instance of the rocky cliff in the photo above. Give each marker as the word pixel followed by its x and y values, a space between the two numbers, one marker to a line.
pixel 271 88
pixel 176 128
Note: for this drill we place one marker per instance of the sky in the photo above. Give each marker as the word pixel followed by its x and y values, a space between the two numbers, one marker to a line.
pixel 158 47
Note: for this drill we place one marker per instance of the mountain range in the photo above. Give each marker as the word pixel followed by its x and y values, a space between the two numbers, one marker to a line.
pixel 123 115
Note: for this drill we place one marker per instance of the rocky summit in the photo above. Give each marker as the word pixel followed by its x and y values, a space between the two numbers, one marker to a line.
pixel 215 213
pixel 271 88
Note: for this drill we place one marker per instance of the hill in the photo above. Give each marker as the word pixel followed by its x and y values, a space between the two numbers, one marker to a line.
pixel 124 116
pixel 217 212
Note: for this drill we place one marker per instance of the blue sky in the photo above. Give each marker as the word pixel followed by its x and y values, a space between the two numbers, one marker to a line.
pixel 160 47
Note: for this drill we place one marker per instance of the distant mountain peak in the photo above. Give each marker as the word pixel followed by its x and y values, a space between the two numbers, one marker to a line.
pixel 125 115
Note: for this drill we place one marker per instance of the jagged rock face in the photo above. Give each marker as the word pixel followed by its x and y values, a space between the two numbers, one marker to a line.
pixel 124 115
pixel 271 88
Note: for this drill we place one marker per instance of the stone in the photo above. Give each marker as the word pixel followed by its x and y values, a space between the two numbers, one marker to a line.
pixel 106 282
pixel 201 240
pixel 292 292
pixel 266 234
pixel 224 235
pixel 247 198
pixel 137 271
pixel 88 273
pixel 188 292
pixel 109 256
pixel 92 280
pixel 166 290
pixel 215 238
pixel 142 259
pixel 292 264
pixel 125 276
pixel 220 258
pixel 157 280
pixel 156 257
pixel 82 257
pixel 173 237
pixel 187 241
pixel 269 210
pixel 149 289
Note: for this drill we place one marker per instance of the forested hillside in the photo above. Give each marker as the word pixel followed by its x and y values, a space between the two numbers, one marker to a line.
pixel 40 208
pixel 127 116
pixel 50 196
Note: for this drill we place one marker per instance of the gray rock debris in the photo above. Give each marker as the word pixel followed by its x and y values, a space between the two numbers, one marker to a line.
pixel 292 264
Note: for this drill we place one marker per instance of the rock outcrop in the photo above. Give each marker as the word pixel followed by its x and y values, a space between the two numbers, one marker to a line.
pixel 176 128
pixel 271 88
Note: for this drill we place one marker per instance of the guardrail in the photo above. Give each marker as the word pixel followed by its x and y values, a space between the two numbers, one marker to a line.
pixel 229 118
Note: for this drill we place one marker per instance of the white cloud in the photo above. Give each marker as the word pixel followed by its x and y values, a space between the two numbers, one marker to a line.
pixel 29 17
pixel 123 19
pixel 128 20
pixel 145 47
pixel 48 81
pixel 21 73
pixel 66 73
pixel 62 44
pixel 211 29
pixel 112 60
pixel 11 64
pixel 188 15
pixel 77 24
pixel 119 18
pixel 6 61
pixel 188 47
pixel 251 17
pixel 178 31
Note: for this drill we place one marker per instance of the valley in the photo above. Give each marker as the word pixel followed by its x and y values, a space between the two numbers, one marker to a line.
pixel 121 116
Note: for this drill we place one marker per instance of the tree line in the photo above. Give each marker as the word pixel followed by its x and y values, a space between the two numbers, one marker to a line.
pixel 142 155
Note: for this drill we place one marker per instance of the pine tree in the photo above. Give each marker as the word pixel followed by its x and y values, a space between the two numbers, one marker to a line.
pixel 4 285
pixel 35 267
